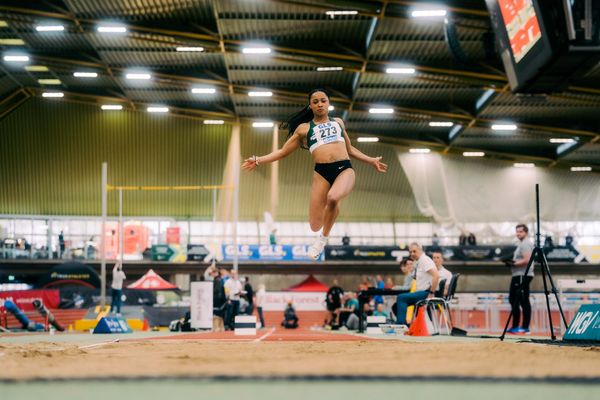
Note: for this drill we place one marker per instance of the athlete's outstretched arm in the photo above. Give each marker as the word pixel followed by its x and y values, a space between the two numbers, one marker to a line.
pixel 289 147
pixel 359 155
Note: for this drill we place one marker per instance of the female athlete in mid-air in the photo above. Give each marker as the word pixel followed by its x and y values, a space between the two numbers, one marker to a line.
pixel 330 147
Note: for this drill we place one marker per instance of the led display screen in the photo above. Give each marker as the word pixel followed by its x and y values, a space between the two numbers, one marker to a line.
pixel 522 26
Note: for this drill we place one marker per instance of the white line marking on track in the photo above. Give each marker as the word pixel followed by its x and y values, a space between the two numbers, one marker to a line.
pixel 266 335
pixel 98 344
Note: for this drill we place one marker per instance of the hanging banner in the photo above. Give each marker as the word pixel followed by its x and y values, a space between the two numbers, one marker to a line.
pixel 302 301
pixel 250 252
pixel 201 301
pixel 165 252
pixel 367 253
pixel 197 252
pixel 24 298
pixel 173 235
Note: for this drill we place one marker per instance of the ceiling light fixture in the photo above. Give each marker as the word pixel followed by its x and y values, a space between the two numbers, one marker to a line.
pixel 524 165
pixel 112 29
pixel 325 69
pixel 85 74
pixel 562 140
pixel 260 94
pixel 263 124
pixel 111 107
pixel 16 58
pixel 381 110
pixel 138 76
pixel 581 169
pixel 204 90
pixel 53 94
pixel 504 127
pixel 158 109
pixel 50 28
pixel 189 49
pixel 428 13
pixel 49 81
pixel 400 70
pixel 256 50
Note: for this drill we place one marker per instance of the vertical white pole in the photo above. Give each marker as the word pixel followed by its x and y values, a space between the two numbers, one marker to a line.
pixel 50 255
pixel 103 237
pixel 214 228
pixel 275 175
pixel 121 228
pixel 236 199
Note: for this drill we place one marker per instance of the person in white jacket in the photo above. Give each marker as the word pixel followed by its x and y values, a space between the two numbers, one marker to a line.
pixel 118 276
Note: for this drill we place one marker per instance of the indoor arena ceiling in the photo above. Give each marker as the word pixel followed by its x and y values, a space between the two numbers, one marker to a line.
pixel 458 80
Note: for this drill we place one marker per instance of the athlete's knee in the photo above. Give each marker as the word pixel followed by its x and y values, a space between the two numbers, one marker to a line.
pixel 332 200
pixel 316 226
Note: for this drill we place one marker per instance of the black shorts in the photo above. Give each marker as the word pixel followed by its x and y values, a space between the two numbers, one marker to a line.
pixel 330 171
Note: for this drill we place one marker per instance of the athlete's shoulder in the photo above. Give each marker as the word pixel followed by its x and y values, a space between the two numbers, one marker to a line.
pixel 303 128
pixel 339 121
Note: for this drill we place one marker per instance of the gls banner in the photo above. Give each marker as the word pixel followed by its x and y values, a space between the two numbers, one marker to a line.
pixel 254 252
pixel 586 324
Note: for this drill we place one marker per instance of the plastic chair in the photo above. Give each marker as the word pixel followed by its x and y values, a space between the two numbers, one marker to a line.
pixel 441 304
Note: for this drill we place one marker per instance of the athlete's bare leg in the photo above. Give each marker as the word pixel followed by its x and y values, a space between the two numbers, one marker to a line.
pixel 341 188
pixel 318 201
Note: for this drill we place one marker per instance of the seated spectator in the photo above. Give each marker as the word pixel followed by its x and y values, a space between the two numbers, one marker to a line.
pixel 350 308
pixel 445 275
pixel 380 312
pixel 389 283
pixel 380 284
pixel 290 319
pixel 427 278
pixel 333 301
pixel 406 266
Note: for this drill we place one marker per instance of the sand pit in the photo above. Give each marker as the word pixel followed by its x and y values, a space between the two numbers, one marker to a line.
pixel 196 358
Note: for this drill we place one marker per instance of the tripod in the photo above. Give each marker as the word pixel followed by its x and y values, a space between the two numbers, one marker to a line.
pixel 538 256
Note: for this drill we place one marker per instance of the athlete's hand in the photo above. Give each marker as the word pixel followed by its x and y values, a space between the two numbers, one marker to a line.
pixel 249 164
pixel 378 165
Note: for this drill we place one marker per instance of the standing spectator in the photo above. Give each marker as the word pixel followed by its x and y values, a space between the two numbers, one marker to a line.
pixel 389 283
pixel 346 240
pixel 333 301
pixel 380 284
pixel 118 276
pixel 209 273
pixel 219 300
pixel 61 244
pixel 519 284
pixel 260 303
pixel 427 278
pixel 249 296
pixel 445 275
pixel 233 290
pixel 273 237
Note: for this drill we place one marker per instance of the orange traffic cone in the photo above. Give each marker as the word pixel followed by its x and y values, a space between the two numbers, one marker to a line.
pixel 145 325
pixel 419 324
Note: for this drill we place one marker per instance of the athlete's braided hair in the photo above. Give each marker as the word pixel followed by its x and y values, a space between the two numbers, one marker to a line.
pixel 300 117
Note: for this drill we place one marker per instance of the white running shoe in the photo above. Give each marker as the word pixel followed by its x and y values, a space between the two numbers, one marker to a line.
pixel 315 250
